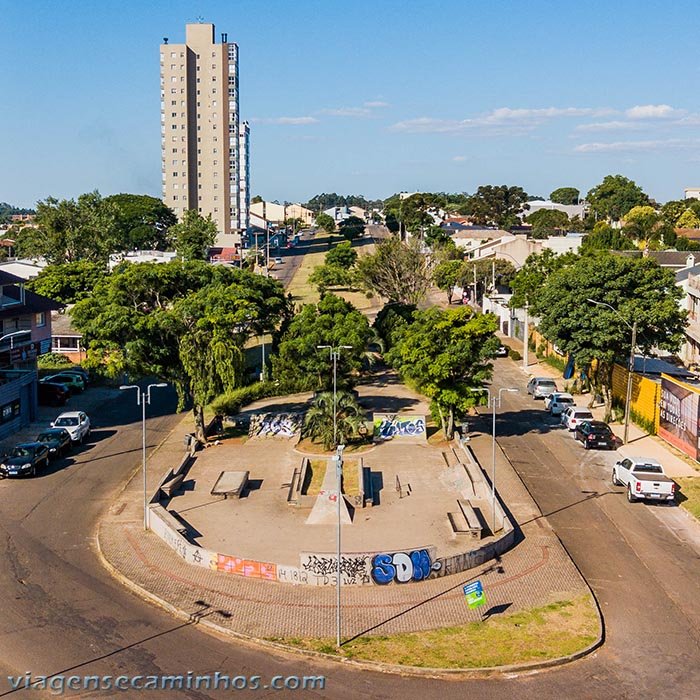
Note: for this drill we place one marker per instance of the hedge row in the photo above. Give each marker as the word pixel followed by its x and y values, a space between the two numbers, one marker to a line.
pixel 231 402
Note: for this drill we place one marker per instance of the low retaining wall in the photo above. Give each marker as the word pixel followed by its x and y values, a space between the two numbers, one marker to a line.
pixel 320 568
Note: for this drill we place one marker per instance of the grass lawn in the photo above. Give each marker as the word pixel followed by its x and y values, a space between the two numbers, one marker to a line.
pixel 548 632
pixel 351 481
pixel 318 472
pixel 301 290
pixel 315 448
pixel 689 494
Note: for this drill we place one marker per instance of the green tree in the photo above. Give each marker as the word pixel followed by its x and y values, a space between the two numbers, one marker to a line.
pixel 183 322
pixel 605 237
pixel 486 271
pixel 565 195
pixel 391 322
pixel 397 271
pixel 351 228
pixel 342 255
pixel 645 225
pixel 547 222
pixel 447 355
pixel 436 236
pixel 445 276
pixel 68 282
pixel 325 222
pixel 325 276
pixel 257 199
pixel 528 281
pixel 614 197
pixel 300 365
pixel 319 423
pixel 67 230
pixel 497 205
pixel 638 289
pixel 414 211
pixel 142 222
pixel 194 235
pixel 688 219
pixel 392 222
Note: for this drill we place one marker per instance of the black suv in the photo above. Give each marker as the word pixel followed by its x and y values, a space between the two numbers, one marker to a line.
pixel 56 439
pixel 52 394
pixel 595 433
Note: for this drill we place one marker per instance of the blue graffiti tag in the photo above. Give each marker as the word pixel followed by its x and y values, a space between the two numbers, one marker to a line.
pixel 402 567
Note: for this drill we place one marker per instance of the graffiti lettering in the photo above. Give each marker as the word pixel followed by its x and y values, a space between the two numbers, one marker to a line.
pixel 403 567
pixel 390 425
pixel 285 425
pixel 354 568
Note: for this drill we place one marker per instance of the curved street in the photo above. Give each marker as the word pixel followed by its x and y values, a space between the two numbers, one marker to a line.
pixel 63 612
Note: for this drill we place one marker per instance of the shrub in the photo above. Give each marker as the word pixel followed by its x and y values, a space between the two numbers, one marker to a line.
pixel 54 360
pixel 232 402
pixel 515 355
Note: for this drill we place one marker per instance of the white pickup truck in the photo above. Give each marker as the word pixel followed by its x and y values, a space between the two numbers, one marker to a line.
pixel 644 479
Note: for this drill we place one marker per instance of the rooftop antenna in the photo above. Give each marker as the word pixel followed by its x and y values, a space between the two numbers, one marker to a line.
pixel 165 39
pixel 200 19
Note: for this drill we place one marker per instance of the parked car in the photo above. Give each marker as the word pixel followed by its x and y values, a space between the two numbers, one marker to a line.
pixel 502 351
pixel 52 394
pixel 595 433
pixel 80 372
pixel 25 459
pixel 56 439
pixel 557 402
pixel 644 478
pixel 278 261
pixel 573 415
pixel 73 381
pixel 75 422
pixel 540 387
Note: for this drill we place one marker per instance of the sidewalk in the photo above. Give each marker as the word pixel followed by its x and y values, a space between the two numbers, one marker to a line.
pixel 535 572
pixel 640 443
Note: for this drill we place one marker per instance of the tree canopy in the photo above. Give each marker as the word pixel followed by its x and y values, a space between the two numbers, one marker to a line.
pixel 447 354
pixel 300 365
pixel 68 282
pixel 547 222
pixel 194 235
pixel 497 205
pixel 615 196
pixel 638 289
pixel 342 255
pixel 565 195
pixel 351 228
pixel 528 281
pixel 325 222
pixel 605 237
pixel 184 322
pixel 397 271
pixel 445 276
pixel 142 222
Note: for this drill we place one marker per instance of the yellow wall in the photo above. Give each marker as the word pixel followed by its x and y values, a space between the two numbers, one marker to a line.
pixel 646 394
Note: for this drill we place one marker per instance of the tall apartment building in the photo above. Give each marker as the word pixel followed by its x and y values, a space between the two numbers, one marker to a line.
pixel 204 147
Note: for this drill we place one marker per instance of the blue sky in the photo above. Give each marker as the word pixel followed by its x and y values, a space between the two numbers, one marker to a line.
pixel 362 97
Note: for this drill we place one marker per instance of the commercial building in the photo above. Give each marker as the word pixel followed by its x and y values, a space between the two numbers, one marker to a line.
pixel 204 146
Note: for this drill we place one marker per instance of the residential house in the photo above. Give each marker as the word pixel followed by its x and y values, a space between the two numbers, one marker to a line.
pixel 571 210
pixel 25 319
pixel 65 338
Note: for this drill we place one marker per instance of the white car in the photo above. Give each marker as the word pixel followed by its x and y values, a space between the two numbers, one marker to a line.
pixel 574 415
pixel 558 402
pixel 76 423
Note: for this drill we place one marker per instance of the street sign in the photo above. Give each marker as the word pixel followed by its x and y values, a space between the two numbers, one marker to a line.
pixel 474 593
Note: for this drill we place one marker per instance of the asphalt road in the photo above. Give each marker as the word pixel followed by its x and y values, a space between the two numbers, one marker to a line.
pixel 63 613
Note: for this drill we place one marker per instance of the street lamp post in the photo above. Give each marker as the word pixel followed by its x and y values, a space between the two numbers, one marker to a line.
pixel 630 368
pixel 143 398
pixel 335 354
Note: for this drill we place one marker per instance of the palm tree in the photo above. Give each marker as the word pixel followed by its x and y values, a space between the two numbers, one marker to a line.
pixel 349 418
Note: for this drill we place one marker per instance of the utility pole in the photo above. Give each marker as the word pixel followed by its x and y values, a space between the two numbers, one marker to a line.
pixel 630 371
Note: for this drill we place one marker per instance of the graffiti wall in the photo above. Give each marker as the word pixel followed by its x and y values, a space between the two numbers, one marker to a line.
pixel 191 553
pixel 679 415
pixel 388 426
pixel 403 567
pixel 281 425
pixel 322 569
pixel 246 567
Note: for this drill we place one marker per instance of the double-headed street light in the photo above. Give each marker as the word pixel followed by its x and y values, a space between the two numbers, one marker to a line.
pixel 143 397
pixel 494 402
pixel 630 369
pixel 335 355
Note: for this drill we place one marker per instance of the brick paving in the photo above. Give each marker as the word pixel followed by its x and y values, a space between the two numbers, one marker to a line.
pixel 535 572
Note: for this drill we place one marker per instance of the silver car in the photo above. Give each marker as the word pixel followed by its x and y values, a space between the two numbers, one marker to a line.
pixel 541 387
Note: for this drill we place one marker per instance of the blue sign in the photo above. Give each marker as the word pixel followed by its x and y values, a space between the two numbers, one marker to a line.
pixel 474 593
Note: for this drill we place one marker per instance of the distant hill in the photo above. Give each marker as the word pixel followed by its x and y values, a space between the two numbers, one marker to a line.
pixel 7 210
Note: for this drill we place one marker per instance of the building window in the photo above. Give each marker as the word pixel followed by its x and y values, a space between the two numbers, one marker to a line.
pixel 173 114
pixel 173 55
pixel 40 319
pixel 173 79
pixel 174 174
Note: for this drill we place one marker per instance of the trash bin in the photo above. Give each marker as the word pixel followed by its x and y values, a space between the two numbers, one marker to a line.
pixel 189 439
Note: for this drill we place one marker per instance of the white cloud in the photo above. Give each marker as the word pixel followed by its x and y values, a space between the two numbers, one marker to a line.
pixel 653 112
pixel 610 126
pixel 375 104
pixel 630 146
pixel 286 121
pixel 459 159
pixel 348 112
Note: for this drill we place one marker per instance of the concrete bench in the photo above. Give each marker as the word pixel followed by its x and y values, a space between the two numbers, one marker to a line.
pixel 458 523
pixel 171 485
pixel 230 484
pixel 474 526
pixel 170 520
